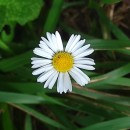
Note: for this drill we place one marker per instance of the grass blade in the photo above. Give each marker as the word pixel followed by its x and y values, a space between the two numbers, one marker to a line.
pixel 13 63
pixel 53 16
pixel 116 124
pixel 8 97
pixel 39 116
pixel 28 124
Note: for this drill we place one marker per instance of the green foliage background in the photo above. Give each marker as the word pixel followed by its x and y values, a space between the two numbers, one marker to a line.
pixel 25 105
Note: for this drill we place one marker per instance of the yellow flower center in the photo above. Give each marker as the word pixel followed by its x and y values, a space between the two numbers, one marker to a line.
pixel 62 61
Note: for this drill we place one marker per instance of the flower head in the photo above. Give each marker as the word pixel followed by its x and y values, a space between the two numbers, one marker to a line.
pixel 56 63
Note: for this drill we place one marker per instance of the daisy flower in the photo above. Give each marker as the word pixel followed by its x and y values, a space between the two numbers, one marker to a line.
pixel 56 63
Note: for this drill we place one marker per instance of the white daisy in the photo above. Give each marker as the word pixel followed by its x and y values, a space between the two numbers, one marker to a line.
pixel 56 63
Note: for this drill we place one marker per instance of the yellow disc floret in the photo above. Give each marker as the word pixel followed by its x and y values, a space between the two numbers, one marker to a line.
pixel 62 61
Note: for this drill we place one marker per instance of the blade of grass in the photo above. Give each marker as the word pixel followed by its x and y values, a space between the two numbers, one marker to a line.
pixel 5 47
pixel 53 16
pixel 28 87
pixel 51 99
pixel 15 62
pixel 28 124
pixel 119 72
pixel 88 120
pixel 100 44
pixel 103 96
pixel 6 97
pixel 110 26
pixel 116 124
pixel 110 1
pixel 93 106
pixel 7 120
pixel 101 106
pixel 71 31
pixel 58 111
pixel 121 81
pixel 39 116
pixel 70 4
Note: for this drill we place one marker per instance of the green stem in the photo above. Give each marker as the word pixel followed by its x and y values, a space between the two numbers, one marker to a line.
pixel 53 16
pixel 4 47
pixel 7 38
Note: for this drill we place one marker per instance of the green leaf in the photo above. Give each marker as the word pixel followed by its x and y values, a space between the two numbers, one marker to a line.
pixel 8 37
pixel 7 97
pixel 28 124
pixel 23 87
pixel 53 16
pixel 110 1
pixel 71 4
pixel 93 107
pixel 116 124
pixel 15 62
pixel 38 115
pixel 110 76
pixel 106 21
pixel 97 95
pixel 7 120
pixel 29 88
pixel 5 47
pixel 71 31
pixel 2 16
pixel 20 11
pixel 121 81
pixel 58 111
pixel 100 44
pixel 88 120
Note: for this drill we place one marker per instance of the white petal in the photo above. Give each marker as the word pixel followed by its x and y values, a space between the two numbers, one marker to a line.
pixel 36 58
pixel 84 58
pixel 59 41
pixel 78 45
pixel 74 43
pixel 42 61
pixel 76 78
pixel 60 83
pixel 46 48
pixel 64 84
pixel 67 83
pixel 49 79
pixel 41 53
pixel 49 44
pixel 53 81
pixel 87 62
pixel 81 50
pixel 42 69
pixel 82 73
pixel 86 53
pixel 43 43
pixel 49 36
pixel 70 42
pixel 86 67
pixel 36 66
pixel 43 77
pixel 79 75
pixel 84 78
pixel 55 42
